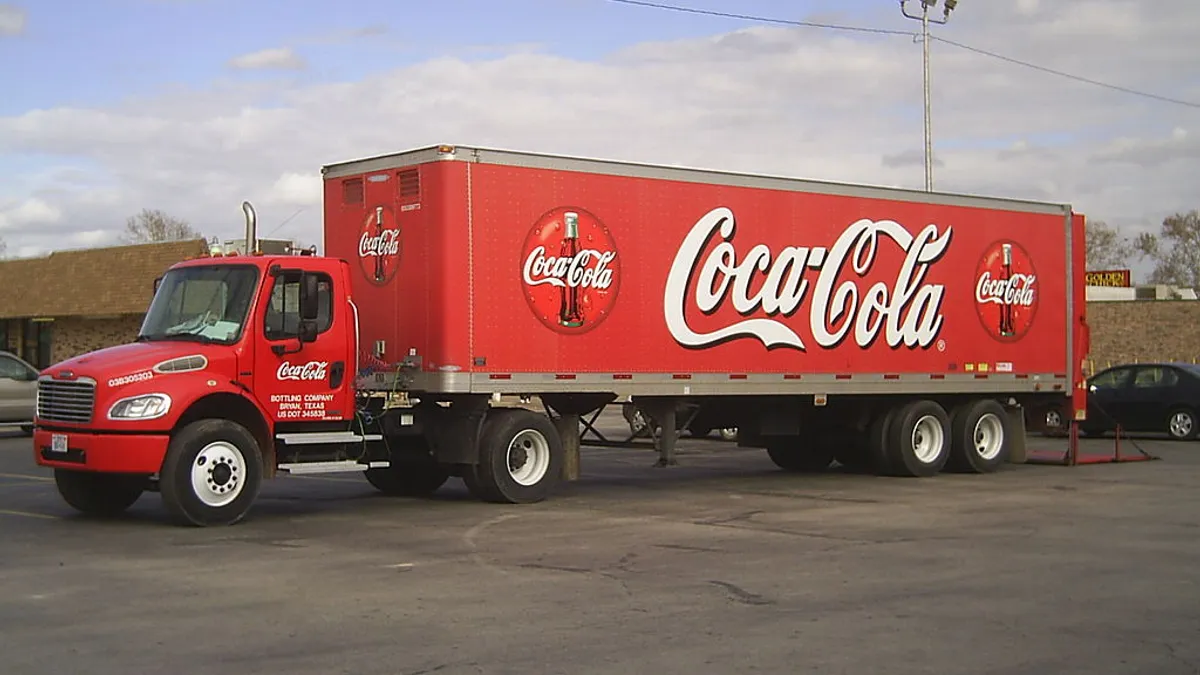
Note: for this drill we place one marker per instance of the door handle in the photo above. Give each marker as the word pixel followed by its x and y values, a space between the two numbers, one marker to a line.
pixel 336 373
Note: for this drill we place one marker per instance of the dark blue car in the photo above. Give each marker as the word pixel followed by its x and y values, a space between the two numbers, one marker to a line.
pixel 1145 397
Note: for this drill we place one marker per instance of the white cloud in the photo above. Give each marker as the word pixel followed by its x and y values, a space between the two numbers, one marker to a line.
pixel 279 58
pixel 12 20
pixel 798 102
pixel 297 189
pixel 28 213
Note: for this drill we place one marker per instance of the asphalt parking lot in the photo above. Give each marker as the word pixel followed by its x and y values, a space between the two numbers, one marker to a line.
pixel 720 565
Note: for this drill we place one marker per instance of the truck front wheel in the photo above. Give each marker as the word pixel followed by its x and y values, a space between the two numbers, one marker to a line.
pixel 212 473
pixel 520 458
pixel 99 494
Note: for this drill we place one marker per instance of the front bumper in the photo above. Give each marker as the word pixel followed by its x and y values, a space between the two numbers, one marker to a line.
pixel 108 453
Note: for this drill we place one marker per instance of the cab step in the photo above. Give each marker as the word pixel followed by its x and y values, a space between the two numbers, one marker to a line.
pixel 326 437
pixel 345 466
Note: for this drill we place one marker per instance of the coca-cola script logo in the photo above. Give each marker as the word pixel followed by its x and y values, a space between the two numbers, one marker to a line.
pixel 1006 290
pixel 899 303
pixel 303 372
pixel 570 270
pixel 379 245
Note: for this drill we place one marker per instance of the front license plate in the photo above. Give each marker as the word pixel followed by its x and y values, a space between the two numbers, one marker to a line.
pixel 58 443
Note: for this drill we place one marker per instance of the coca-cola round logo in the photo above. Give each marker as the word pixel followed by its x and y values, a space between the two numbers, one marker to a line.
pixel 1006 290
pixel 379 245
pixel 570 270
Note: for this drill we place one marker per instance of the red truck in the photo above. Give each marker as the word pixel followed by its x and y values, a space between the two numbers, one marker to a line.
pixel 889 330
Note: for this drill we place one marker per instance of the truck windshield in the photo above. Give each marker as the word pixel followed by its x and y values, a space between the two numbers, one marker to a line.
pixel 203 304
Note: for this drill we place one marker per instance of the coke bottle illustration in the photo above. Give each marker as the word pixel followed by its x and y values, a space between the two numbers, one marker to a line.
pixel 1007 327
pixel 568 310
pixel 380 271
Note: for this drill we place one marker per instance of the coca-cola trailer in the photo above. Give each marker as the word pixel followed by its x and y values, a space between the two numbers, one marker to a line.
pixel 888 330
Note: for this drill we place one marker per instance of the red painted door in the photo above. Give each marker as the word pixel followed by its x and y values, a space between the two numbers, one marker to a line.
pixel 309 382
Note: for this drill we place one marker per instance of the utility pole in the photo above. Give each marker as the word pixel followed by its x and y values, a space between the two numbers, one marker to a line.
pixel 925 19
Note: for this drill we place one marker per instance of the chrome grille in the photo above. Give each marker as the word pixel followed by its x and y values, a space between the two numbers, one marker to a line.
pixel 66 400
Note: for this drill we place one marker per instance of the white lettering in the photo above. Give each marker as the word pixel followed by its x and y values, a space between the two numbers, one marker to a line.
pixel 576 271
pixel 1016 290
pixel 313 370
pixel 130 379
pixel 908 310
pixel 386 243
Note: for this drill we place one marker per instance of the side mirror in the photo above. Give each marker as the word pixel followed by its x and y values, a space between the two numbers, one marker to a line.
pixel 157 283
pixel 309 304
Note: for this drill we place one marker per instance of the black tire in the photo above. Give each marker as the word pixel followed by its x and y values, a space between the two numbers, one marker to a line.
pixel 974 447
pixel 914 424
pixel 854 453
pixel 533 439
pixel 409 477
pixel 1181 424
pixel 794 454
pixel 99 494
pixel 228 461
pixel 875 457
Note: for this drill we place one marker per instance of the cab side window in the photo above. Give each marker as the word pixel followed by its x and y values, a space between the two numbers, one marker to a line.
pixel 282 318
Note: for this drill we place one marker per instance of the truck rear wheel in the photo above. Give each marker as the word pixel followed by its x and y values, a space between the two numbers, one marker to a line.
pixel 802 455
pixel 99 494
pixel 918 440
pixel 212 473
pixel 979 437
pixel 409 477
pixel 520 458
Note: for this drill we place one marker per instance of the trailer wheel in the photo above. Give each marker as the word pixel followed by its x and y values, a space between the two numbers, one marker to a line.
pixel 520 458
pixel 212 473
pixel 918 440
pixel 979 437
pixel 794 454
pixel 409 477
pixel 99 494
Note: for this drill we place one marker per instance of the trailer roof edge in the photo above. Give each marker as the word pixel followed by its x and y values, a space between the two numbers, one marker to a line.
pixel 693 174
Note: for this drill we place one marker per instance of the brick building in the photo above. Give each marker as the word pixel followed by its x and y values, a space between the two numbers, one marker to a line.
pixel 72 302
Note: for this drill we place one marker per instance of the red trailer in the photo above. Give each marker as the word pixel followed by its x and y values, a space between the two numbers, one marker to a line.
pixel 886 329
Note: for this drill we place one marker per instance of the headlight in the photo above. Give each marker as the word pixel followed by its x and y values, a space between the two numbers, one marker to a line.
pixel 144 407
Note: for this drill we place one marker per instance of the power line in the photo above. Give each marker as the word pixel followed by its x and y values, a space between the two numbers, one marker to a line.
pixel 762 19
pixel 886 31
pixel 1077 78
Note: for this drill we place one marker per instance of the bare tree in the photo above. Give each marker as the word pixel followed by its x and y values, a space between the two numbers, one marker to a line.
pixel 152 225
pixel 3 248
pixel 1106 248
pixel 1175 250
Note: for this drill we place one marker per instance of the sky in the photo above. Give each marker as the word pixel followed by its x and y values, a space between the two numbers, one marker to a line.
pixel 191 106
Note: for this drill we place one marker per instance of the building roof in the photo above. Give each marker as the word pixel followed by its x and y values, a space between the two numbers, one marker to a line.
pixel 89 282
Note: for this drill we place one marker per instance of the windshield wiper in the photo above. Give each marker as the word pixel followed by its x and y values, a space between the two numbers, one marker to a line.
pixel 186 337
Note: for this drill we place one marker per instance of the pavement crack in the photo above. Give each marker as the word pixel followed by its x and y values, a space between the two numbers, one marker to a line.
pixel 740 595
pixel 1175 655
pixel 689 549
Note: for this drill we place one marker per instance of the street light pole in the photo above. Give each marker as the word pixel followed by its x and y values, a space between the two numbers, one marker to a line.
pixel 925 20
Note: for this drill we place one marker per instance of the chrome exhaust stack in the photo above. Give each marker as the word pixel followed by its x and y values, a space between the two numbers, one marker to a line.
pixel 251 228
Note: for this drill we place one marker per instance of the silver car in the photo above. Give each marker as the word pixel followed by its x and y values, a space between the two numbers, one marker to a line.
pixel 18 392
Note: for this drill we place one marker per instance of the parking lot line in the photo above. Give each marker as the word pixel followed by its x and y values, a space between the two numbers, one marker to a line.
pixel 27 514
pixel 25 476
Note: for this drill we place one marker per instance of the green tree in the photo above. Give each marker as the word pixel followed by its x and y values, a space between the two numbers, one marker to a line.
pixel 152 225
pixel 1106 248
pixel 1175 250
